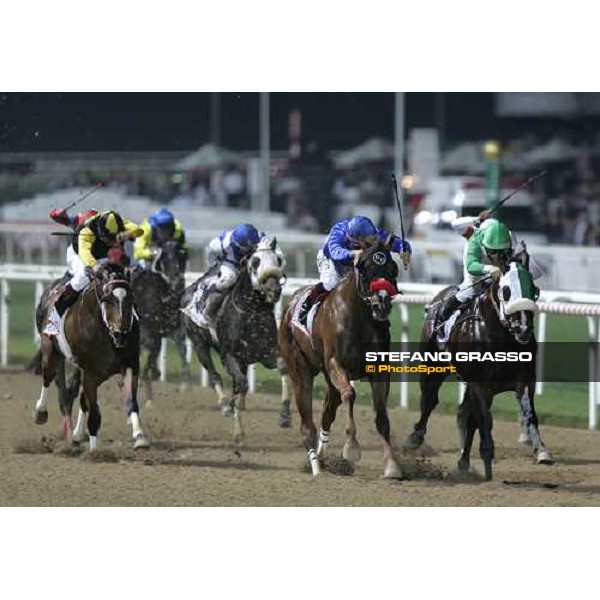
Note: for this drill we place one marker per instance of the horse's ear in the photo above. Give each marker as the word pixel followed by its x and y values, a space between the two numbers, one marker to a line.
pixel 389 240
pixel 274 243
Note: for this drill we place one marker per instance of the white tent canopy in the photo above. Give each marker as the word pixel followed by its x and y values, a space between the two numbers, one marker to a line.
pixel 208 156
pixel 372 151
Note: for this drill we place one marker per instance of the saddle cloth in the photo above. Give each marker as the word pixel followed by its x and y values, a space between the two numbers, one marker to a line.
pixel 444 331
pixel 61 340
pixel 306 328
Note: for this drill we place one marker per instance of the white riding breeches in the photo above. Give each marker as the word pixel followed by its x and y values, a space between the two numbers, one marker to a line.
pixel 329 274
pixel 76 268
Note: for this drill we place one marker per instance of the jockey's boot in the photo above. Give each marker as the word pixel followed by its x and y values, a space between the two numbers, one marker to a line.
pixel 65 300
pixel 211 307
pixel 451 305
pixel 317 293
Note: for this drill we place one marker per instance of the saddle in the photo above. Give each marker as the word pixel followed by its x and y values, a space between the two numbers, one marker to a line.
pixel 467 311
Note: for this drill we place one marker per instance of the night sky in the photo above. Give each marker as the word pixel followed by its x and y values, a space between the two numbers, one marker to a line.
pixel 181 121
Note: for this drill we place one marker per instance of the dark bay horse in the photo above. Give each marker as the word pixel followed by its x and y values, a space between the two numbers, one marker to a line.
pixel 356 312
pixel 246 331
pixel 494 322
pixel 157 294
pixel 100 334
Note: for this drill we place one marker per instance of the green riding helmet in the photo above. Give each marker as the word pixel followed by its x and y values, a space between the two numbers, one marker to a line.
pixel 497 237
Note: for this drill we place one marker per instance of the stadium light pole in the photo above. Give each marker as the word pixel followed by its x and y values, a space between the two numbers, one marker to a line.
pixel 265 149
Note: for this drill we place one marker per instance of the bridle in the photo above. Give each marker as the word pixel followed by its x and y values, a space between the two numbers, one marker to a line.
pixel 101 303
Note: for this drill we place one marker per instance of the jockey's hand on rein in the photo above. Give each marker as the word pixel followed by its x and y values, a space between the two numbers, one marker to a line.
pixel 357 254
pixel 495 272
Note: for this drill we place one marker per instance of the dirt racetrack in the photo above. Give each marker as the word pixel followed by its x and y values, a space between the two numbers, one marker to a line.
pixel 193 462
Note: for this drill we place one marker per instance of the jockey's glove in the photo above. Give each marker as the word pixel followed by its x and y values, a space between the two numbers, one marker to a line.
pixel 494 271
pixel 357 254
pixel 405 258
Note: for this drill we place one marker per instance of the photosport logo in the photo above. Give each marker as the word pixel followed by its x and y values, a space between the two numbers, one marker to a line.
pixel 557 362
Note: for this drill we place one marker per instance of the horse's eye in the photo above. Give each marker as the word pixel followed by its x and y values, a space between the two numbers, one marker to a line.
pixel 506 293
pixel 279 261
pixel 255 262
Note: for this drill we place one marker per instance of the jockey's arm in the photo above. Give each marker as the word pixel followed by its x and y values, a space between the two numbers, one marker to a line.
pixel 214 251
pixel 179 235
pixel 474 265
pixel 85 241
pixel 337 246
pixel 132 231
pixel 142 249
pixel 61 216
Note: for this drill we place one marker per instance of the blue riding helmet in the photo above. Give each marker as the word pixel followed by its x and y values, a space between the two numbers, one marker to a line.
pixel 162 217
pixel 361 228
pixel 245 236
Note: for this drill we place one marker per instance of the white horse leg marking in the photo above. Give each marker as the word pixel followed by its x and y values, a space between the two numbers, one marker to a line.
pixel 136 426
pixel 285 393
pixel 220 393
pixel 78 431
pixel 314 462
pixel 323 441
pixel 42 402
pixel 93 443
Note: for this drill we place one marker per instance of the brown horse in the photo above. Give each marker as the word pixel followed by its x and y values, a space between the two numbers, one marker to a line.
pixel 100 334
pixel 356 312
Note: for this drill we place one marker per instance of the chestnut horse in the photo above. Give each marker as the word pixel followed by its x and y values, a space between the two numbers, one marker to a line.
pixel 100 334
pixel 356 312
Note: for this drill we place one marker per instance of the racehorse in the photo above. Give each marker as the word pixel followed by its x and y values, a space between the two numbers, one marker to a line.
pixel 245 330
pixel 100 334
pixel 498 319
pixel 355 312
pixel 157 294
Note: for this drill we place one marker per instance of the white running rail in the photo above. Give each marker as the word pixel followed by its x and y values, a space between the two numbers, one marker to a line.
pixel 551 302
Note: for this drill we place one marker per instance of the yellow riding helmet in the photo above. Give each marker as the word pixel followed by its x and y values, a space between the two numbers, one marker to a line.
pixel 111 224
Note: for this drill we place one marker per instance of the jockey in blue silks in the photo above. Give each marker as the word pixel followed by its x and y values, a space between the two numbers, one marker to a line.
pixel 341 251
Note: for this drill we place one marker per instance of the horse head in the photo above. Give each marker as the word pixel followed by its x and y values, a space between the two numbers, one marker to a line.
pixel 516 297
pixel 376 276
pixel 266 268
pixel 116 302
pixel 170 263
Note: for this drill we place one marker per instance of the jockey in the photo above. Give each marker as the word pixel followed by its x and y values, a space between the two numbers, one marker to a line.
pixel 93 241
pixel 487 238
pixel 342 249
pixel 160 228
pixel 227 250
pixel 74 221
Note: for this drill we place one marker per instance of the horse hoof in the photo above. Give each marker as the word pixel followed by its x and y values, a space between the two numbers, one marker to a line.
pixel 351 452
pixel 141 442
pixel 227 410
pixel 40 416
pixel 488 472
pixel 525 439
pixel 464 465
pixel 544 457
pixel 392 471
pixel 414 440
